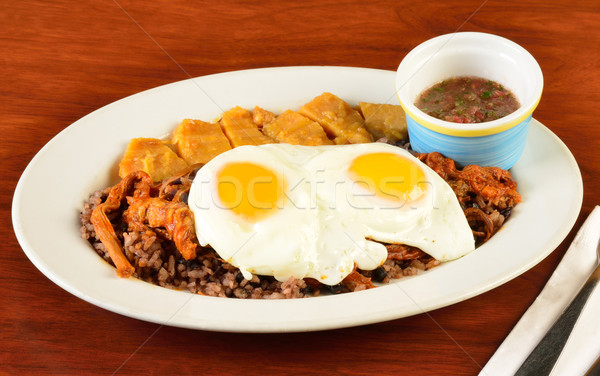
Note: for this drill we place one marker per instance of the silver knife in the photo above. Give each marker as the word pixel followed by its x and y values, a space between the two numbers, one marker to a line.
pixel 544 356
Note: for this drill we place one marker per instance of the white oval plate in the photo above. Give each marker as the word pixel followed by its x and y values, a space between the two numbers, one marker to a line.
pixel 82 159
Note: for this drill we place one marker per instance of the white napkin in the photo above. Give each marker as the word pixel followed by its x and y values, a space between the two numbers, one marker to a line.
pixel 583 346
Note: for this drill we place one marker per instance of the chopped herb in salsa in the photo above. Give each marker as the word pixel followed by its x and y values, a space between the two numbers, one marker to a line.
pixel 467 100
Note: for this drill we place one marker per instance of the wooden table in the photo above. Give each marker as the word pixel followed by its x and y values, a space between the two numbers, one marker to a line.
pixel 61 60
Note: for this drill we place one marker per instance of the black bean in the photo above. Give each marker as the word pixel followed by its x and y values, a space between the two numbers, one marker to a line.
pixel 379 274
pixel 335 289
pixel 193 264
pixel 121 227
pixel 307 290
pixel 239 277
pixel 506 212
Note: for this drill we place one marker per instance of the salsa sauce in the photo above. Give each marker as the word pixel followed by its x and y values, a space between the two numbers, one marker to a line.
pixel 467 100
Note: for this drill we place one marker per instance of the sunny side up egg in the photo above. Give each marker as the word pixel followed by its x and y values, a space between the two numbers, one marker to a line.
pixel 314 211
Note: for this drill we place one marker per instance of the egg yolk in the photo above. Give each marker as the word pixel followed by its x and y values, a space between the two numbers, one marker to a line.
pixel 249 190
pixel 389 176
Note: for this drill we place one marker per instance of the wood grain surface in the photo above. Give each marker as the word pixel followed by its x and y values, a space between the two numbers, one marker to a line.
pixel 61 60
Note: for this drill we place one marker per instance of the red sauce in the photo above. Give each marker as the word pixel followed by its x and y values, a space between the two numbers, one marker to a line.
pixel 467 100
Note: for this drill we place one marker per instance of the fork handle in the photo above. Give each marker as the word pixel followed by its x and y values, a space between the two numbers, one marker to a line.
pixel 546 353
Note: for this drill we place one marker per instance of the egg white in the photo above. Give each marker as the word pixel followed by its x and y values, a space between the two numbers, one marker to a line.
pixel 325 224
pixel 435 222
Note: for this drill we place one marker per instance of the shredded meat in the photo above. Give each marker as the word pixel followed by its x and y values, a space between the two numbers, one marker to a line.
pixel 356 281
pixel 486 194
pixel 138 182
pixel 172 219
pixel 403 252
pixel 176 188
pixel 481 224
pixel 492 188
pixel 144 214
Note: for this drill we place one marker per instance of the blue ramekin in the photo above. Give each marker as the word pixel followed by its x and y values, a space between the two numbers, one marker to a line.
pixel 498 143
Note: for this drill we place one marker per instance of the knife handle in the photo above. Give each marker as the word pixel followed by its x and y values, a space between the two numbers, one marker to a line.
pixel 594 369
pixel 546 353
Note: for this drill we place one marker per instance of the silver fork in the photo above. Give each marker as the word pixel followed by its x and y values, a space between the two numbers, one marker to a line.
pixel 544 356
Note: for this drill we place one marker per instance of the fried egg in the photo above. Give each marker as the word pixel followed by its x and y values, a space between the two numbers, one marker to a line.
pixel 316 211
